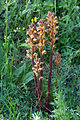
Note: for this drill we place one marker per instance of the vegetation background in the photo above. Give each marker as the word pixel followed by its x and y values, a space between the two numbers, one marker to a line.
pixel 17 94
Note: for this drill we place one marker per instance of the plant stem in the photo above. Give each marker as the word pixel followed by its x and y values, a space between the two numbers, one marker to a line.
pixel 50 74
pixel 41 56
pixel 6 41
pixel 35 79
pixel 55 7
pixel 39 94
pixel 56 76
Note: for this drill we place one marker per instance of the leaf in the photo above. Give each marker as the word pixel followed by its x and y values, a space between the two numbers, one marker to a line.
pixel 19 70
pixel 18 116
pixel 2 53
pixel 25 45
pixel 28 77
pixel 24 35
pixel 1 109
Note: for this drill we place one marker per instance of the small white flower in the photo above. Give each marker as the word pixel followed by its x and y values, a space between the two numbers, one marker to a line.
pixel 34 31
pixel 37 118
pixel 34 40
pixel 32 36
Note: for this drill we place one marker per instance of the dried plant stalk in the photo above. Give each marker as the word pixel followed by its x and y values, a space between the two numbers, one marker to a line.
pixel 34 37
pixel 37 40
pixel 30 53
pixel 42 40
pixel 37 69
pixel 52 21
pixel 57 61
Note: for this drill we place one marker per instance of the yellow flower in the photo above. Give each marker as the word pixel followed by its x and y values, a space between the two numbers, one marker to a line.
pixel 15 31
pixel 23 28
pixel 35 19
pixel 32 20
pixel 19 28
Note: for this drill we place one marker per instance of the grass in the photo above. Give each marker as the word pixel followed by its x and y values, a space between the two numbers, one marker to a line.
pixel 17 88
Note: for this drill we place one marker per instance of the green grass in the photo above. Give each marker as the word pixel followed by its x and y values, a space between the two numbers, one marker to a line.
pixel 17 89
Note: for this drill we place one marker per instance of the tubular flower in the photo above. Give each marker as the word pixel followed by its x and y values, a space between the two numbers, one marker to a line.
pixel 57 59
pixel 37 66
pixel 41 29
pixel 32 38
pixel 52 21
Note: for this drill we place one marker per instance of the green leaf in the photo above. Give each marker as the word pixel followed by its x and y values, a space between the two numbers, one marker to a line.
pixel 28 77
pixel 19 70
pixel 25 45
pixel 24 35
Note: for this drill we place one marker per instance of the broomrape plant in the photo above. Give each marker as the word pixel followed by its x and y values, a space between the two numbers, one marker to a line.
pixel 57 61
pixel 37 40
pixel 52 21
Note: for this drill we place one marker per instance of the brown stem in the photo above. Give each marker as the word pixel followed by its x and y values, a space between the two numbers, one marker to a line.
pixel 56 76
pixel 38 88
pixel 35 79
pixel 41 70
pixel 39 93
pixel 40 82
pixel 41 56
pixel 49 80
pixel 41 73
